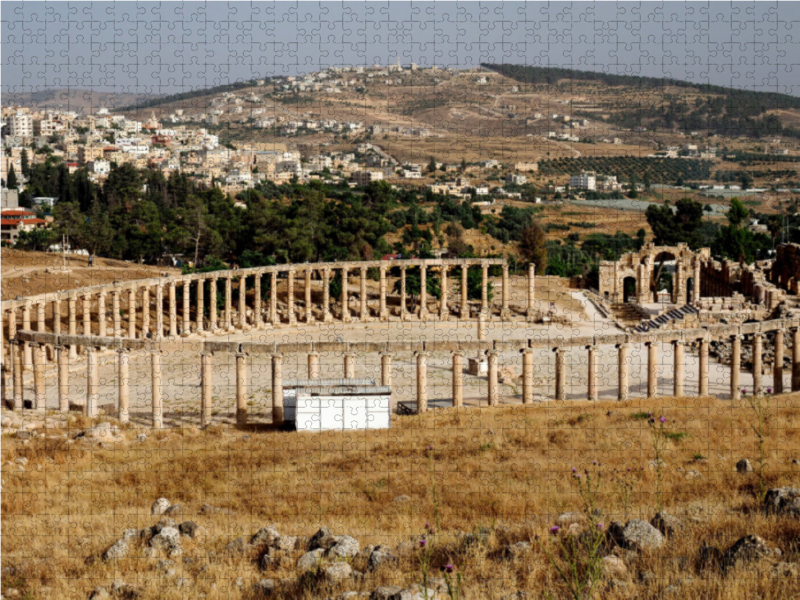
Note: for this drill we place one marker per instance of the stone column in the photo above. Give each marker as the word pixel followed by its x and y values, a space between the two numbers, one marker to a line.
pixel 200 309
pixel 363 295
pixel 345 309
pixel 212 304
pixel 72 308
pixel 12 325
pixel 795 359
pixel 16 358
pixel 383 314
pixel 402 293
pixel 40 320
pixel 57 316
pixel 87 314
pixel 696 281
pixel 159 312
pixel 561 374
pixel 652 369
pixel 703 384
pixel 309 305
pixel 241 389
pixel 527 376
pixel 444 312
pixel 132 313
pixel 349 365
pixel 273 298
pixel 326 295
pixel 386 369
pixel 277 389
pixel 290 296
pixel 101 314
pixel 592 373
pixel 458 378
pixel 38 376
pixel 423 293
pixel 242 301
pixel 531 291
pixel 227 322
pixel 145 311
pixel 484 288
pixel 757 362
pixel 26 325
pixel 481 326
pixel 464 292
pixel 206 400
pixel 678 368
pixel 777 365
pixel 92 383
pixel 186 325
pixel 422 382
pixel 505 313
pixel 313 365
pixel 494 388
pixel 257 321
pixel 173 310
pixel 62 359
pixel 623 389
pixel 736 367
pixel 157 405
pixel 123 408
pixel 116 316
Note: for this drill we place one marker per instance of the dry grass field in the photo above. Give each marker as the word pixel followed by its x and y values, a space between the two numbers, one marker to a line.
pixel 500 475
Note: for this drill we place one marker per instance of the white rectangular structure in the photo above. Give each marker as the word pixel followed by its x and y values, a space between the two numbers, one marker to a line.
pixel 319 405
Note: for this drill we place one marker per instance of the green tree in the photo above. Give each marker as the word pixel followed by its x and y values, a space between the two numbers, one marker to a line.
pixel 533 246
pixel 737 213
pixel 24 163
pixel 670 228
pixel 11 180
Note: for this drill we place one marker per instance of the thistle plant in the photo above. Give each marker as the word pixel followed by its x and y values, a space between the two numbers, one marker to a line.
pixel 759 404
pixel 659 441
pixel 582 554
pixel 625 482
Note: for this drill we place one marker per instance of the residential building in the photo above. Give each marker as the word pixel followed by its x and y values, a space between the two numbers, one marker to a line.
pixel 587 180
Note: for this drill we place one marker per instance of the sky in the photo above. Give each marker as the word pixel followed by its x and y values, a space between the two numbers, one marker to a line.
pixel 169 47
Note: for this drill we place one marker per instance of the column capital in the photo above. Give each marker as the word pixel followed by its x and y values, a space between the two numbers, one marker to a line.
pixel 558 349
pixel 591 347
pixel 625 345
pixel 677 342
pixel 241 355
pixel 461 353
pixel 121 350
pixel 277 355
pixel 491 352
pixel 205 353
pixel 421 354
pixel 313 353
pixel 363 269
pixel 387 354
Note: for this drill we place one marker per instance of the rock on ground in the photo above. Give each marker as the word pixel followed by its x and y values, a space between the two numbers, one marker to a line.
pixel 118 549
pixel 379 556
pixel 345 546
pixel 159 507
pixel 744 466
pixel 310 560
pixel 614 567
pixel 666 523
pixel 746 549
pixel 337 571
pixel 640 535
pixel 783 501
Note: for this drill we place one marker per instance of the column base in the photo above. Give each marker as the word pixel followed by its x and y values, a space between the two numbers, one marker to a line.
pixel 424 314
pixel 445 316
pixel 327 318
pixel 384 317
pixel 506 314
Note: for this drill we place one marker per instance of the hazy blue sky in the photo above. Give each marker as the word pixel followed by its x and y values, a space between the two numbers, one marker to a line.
pixel 168 47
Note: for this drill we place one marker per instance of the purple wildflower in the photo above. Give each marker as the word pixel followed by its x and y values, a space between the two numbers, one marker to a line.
pixel 594 462
pixel 769 390
pixel 574 470
pixel 663 419
pixel 449 568
pixel 423 543
pixel 554 529
pixel 744 390
pixel 599 525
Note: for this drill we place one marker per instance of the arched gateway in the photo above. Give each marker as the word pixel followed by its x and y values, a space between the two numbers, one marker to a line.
pixel 643 267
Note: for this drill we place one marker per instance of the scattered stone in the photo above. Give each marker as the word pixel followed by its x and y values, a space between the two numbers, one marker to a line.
pixel 744 466
pixel 265 587
pixel 287 543
pixel 265 536
pixel 130 534
pixel 570 518
pixel 117 550
pixel 614 567
pixel 746 549
pixel 164 565
pixel 174 509
pixel 99 593
pixel 406 548
pixel 693 474
pixel 401 499
pixel 783 501
pixel 379 556
pixel 415 592
pixel 322 539
pixel 23 434
pixel 667 524
pixel 239 582
pixel 640 536
pixel 21 460
pixel 141 438
pixel 192 530
pixel 513 551
pixel 337 571
pixel 385 592
pixel 162 523
pixel 237 546
pixel 159 507
pixel 310 560
pixel 345 547
pixel 785 570
pixel 653 465
pixel 150 552
pixel 166 539
pixel 207 509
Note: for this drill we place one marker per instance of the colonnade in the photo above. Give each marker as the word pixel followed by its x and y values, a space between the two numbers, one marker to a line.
pixel 134 304
pixel 35 343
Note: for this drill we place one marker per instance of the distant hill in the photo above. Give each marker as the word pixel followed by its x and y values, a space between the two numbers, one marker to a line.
pixel 81 100
pixel 726 111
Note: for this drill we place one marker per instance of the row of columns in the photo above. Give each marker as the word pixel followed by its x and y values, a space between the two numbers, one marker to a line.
pixel 172 326
pixel 91 406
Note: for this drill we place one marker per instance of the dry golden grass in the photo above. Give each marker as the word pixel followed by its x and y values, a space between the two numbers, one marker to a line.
pixel 506 469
